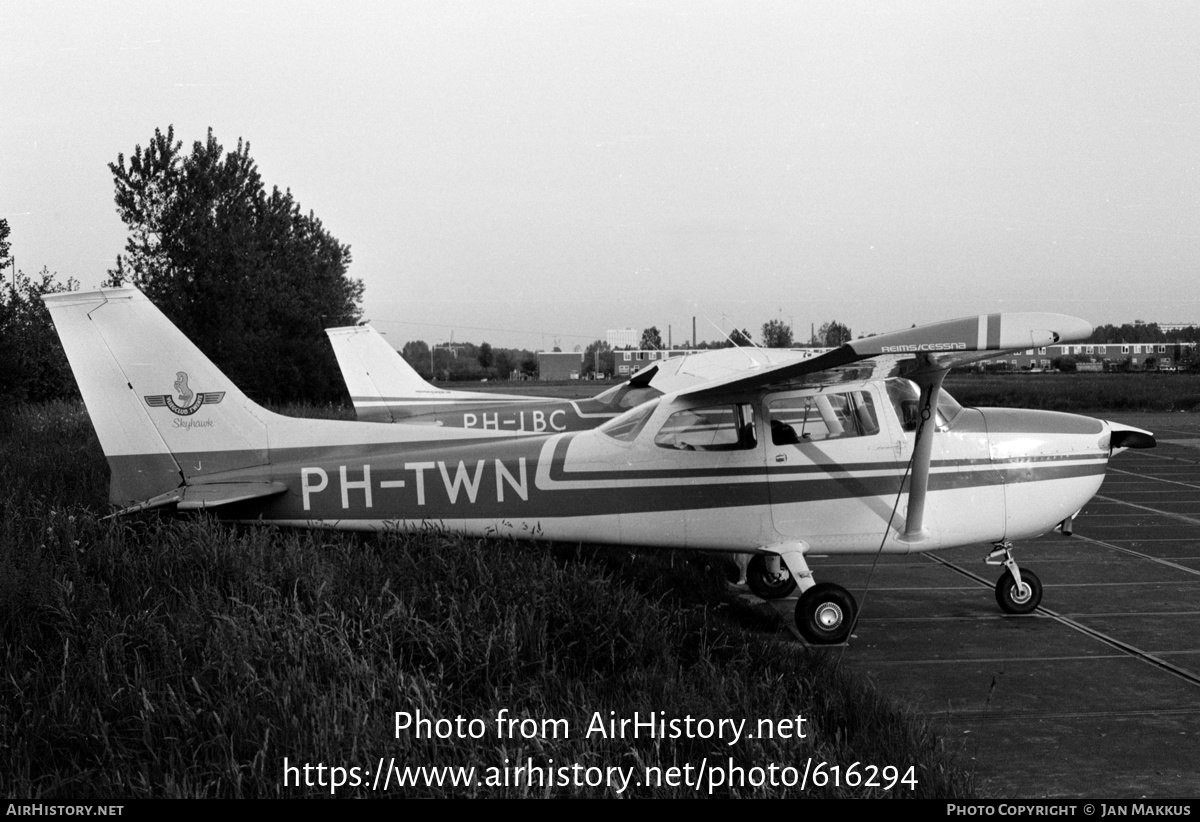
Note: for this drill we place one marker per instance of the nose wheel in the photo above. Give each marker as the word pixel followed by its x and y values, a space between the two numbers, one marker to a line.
pixel 1017 591
pixel 1019 597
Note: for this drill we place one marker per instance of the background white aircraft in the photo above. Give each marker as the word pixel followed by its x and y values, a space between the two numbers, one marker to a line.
pixel 385 388
pixel 854 451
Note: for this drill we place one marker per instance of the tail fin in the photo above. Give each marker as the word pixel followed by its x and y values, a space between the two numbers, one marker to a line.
pixel 163 412
pixel 385 388
pixel 374 372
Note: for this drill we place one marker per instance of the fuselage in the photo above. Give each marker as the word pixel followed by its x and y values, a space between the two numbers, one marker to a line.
pixel 828 467
pixel 502 413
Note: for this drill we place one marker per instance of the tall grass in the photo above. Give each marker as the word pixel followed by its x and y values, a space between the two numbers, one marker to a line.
pixel 164 657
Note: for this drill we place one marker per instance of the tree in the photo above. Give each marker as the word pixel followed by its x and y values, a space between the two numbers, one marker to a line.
pixel 598 350
pixel 416 354
pixel 486 357
pixel 651 339
pixel 5 246
pixel 739 338
pixel 245 274
pixel 833 333
pixel 504 364
pixel 529 366
pixel 777 334
pixel 33 366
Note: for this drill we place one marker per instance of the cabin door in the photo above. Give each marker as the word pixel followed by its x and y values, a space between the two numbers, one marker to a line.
pixel 833 464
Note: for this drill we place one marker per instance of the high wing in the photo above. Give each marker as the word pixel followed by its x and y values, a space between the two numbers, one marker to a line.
pixel 712 366
pixel 385 388
pixel 913 352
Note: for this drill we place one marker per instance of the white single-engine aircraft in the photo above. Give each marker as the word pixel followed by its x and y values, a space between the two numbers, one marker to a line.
pixel 385 388
pixel 854 451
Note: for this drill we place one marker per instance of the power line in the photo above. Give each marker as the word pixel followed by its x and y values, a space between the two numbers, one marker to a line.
pixel 589 338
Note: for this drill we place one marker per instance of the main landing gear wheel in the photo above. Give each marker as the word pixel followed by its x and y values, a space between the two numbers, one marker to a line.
pixel 1019 599
pixel 766 583
pixel 825 614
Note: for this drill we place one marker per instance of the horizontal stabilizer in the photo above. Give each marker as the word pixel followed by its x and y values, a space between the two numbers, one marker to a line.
pixel 210 495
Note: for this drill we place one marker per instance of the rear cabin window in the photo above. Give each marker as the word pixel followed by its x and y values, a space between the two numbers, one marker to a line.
pixel 822 417
pixel 711 428
pixel 627 426
pixel 626 396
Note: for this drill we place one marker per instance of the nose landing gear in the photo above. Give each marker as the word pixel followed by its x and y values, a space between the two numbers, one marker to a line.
pixel 1017 591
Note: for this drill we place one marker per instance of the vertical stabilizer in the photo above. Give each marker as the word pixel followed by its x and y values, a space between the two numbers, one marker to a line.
pixel 385 388
pixel 163 412
pixel 373 370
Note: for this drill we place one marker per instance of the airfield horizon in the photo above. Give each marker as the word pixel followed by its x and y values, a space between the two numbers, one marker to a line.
pixel 1079 392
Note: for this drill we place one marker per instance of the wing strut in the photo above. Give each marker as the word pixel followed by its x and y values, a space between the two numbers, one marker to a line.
pixel 931 389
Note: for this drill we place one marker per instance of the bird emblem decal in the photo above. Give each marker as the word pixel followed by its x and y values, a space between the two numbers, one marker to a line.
pixel 189 401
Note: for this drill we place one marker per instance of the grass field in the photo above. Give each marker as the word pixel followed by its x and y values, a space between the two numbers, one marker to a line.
pixel 1079 393
pixel 182 657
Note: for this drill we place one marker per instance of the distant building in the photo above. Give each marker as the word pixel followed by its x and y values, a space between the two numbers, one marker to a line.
pixel 623 338
pixel 559 365
pixel 1140 356
pixel 635 359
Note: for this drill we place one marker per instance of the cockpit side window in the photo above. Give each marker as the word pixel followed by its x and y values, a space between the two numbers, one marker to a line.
pixel 710 428
pixel 822 416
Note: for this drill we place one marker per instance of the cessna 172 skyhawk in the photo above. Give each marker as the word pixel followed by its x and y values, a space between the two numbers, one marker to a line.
pixel 385 388
pixel 854 451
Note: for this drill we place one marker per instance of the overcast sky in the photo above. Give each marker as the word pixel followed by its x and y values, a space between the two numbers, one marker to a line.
pixel 564 168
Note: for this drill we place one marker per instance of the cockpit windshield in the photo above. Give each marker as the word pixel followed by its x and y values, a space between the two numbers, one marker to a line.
pixel 906 398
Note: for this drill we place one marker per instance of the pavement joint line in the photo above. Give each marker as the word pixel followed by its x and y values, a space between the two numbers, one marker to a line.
pixel 977 714
pixel 1140 555
pixel 1187 519
pixel 1000 660
pixel 1189 460
pixel 1156 479
pixel 1071 615
pixel 1114 584
pixel 1131 650
pixel 947 588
